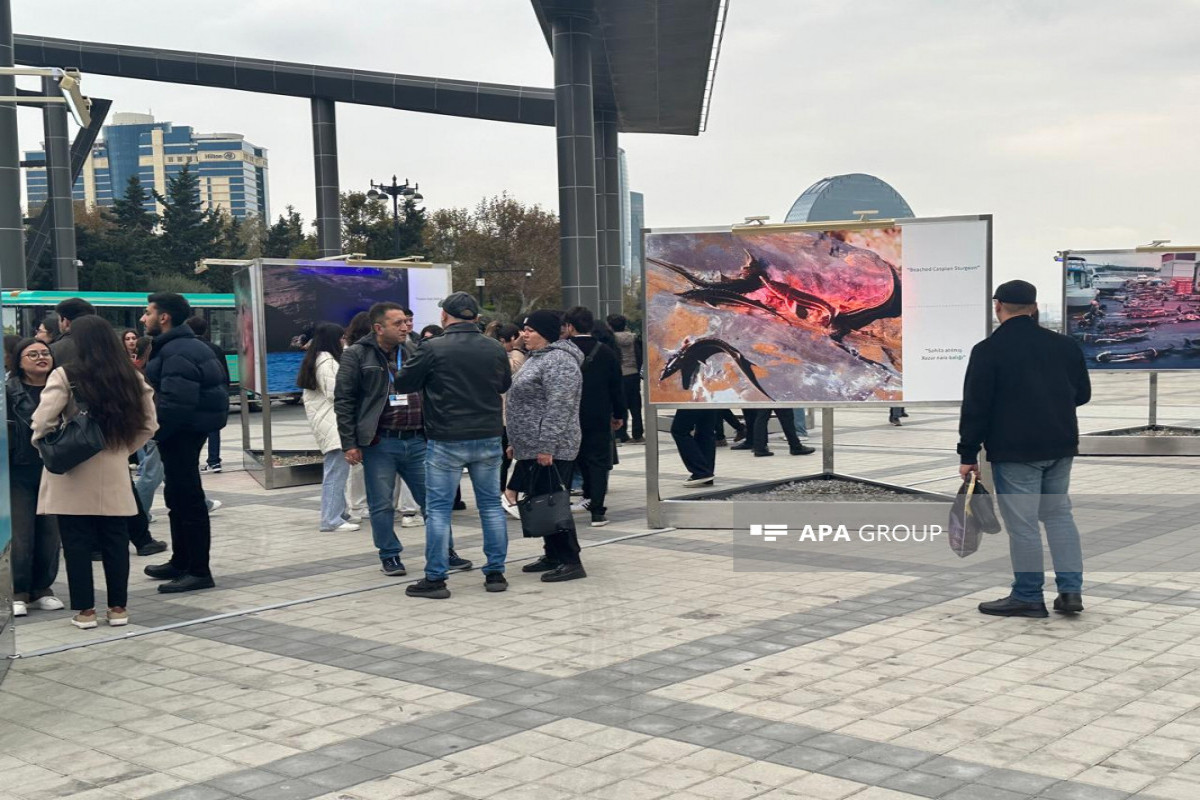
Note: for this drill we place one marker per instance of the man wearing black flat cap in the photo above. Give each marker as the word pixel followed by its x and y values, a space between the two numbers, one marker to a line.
pixel 1022 387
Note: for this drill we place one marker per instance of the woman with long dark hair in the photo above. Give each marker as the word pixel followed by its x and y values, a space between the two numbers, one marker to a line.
pixel 318 377
pixel 93 499
pixel 34 538
pixel 47 330
pixel 129 339
pixel 358 327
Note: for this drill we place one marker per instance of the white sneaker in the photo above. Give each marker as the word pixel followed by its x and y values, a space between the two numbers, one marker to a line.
pixel 215 505
pixel 411 521
pixel 582 507
pixel 48 603
pixel 510 508
pixel 19 608
pixel 345 527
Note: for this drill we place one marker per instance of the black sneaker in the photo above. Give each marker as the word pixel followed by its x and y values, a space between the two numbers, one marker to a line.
pixel 1068 603
pixel 565 572
pixel 460 506
pixel 1012 607
pixel 599 520
pixel 543 564
pixel 763 453
pixel 455 562
pixel 393 566
pixel 802 450
pixel 745 444
pixel 186 583
pixel 163 572
pixel 722 442
pixel 699 480
pixel 495 582
pixel 210 468
pixel 154 546
pixel 434 590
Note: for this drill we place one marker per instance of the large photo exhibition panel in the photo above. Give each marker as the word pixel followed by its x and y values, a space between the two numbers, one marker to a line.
pixel 776 314
pixel 1134 309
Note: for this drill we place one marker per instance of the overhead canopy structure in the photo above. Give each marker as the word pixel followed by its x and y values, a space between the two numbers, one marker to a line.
pixel 652 60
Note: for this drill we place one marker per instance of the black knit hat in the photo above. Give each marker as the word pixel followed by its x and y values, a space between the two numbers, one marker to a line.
pixel 1018 293
pixel 547 323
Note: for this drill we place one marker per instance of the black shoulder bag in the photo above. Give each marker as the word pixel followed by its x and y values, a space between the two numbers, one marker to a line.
pixel 546 512
pixel 76 439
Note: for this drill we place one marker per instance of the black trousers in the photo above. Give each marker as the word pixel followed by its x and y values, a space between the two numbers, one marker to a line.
pixel 139 524
pixel 505 461
pixel 191 534
pixel 562 547
pixel 723 416
pixel 35 542
pixel 84 535
pixel 632 384
pixel 694 432
pixel 787 421
pixel 594 462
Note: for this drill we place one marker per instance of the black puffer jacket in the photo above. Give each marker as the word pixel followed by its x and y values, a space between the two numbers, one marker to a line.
pixel 190 390
pixel 460 375
pixel 21 450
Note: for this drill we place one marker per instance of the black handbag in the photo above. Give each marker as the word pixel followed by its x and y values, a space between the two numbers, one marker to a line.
pixel 76 439
pixel 548 512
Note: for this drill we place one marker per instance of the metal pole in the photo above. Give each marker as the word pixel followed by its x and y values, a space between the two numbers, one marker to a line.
pixel 827 441
pixel 12 227
pixel 1153 399
pixel 579 261
pixel 654 509
pixel 325 167
pixel 59 189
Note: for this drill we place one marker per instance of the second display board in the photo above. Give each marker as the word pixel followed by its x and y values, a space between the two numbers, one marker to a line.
pixel 838 315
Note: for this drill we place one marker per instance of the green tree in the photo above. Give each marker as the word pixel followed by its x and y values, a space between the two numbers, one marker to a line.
pixel 287 239
pixel 366 226
pixel 189 232
pixel 505 239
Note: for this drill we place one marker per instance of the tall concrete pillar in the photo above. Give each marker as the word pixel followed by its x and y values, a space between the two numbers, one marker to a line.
pixel 60 191
pixel 325 164
pixel 579 262
pixel 608 212
pixel 12 228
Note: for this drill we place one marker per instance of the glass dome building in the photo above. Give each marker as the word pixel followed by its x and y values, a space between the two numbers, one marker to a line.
pixel 837 198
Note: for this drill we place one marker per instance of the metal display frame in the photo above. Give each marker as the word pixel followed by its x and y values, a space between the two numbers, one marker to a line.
pixel 706 510
pixel 261 463
pixel 1136 440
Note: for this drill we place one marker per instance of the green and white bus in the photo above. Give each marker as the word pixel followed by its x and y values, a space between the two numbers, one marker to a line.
pixel 24 309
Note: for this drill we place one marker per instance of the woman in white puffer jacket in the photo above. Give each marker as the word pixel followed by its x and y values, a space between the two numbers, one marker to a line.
pixel 317 376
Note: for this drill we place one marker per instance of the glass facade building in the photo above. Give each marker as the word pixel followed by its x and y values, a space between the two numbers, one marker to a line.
pixel 232 172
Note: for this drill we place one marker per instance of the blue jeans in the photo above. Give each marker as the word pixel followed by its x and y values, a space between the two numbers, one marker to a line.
pixel 151 476
pixel 381 463
pixel 1029 492
pixel 214 449
pixel 443 471
pixel 333 490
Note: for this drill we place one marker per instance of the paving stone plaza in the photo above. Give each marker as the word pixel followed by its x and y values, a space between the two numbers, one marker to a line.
pixel 664 674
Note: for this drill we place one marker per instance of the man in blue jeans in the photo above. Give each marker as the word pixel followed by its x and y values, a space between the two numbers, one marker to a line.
pixel 460 376
pixel 384 429
pixel 1022 387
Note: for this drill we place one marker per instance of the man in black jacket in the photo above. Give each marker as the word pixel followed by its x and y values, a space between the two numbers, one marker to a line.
pixel 199 326
pixel 460 376
pixel 1022 387
pixel 191 397
pixel 69 310
pixel 601 410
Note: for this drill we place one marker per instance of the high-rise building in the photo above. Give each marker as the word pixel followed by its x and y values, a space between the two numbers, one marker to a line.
pixel 232 172
pixel 633 219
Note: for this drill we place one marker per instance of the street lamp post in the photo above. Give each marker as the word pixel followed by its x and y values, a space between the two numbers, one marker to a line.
pixel 396 191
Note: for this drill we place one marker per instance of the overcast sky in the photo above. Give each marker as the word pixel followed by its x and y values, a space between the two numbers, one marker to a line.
pixel 1074 122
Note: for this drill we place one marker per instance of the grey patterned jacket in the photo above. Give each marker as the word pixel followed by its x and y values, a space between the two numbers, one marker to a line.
pixel 543 403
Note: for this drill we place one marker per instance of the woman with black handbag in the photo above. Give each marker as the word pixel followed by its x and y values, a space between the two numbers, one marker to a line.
pixel 543 434
pixel 103 396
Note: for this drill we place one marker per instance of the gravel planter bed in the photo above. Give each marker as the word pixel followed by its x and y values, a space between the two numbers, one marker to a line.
pixel 1154 432
pixel 831 490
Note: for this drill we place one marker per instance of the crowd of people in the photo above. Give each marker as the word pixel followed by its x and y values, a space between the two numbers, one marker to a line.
pixel 514 407
pixel 155 400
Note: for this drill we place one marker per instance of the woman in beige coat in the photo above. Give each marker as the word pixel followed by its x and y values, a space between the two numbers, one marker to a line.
pixel 93 499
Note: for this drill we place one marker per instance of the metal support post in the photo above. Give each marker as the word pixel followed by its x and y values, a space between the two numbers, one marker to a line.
pixel 12 227
pixel 1153 399
pixel 608 213
pixel 573 122
pixel 827 441
pixel 325 165
pixel 59 189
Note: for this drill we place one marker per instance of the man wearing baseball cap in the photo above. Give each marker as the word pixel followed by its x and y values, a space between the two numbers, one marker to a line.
pixel 460 375
pixel 1022 387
